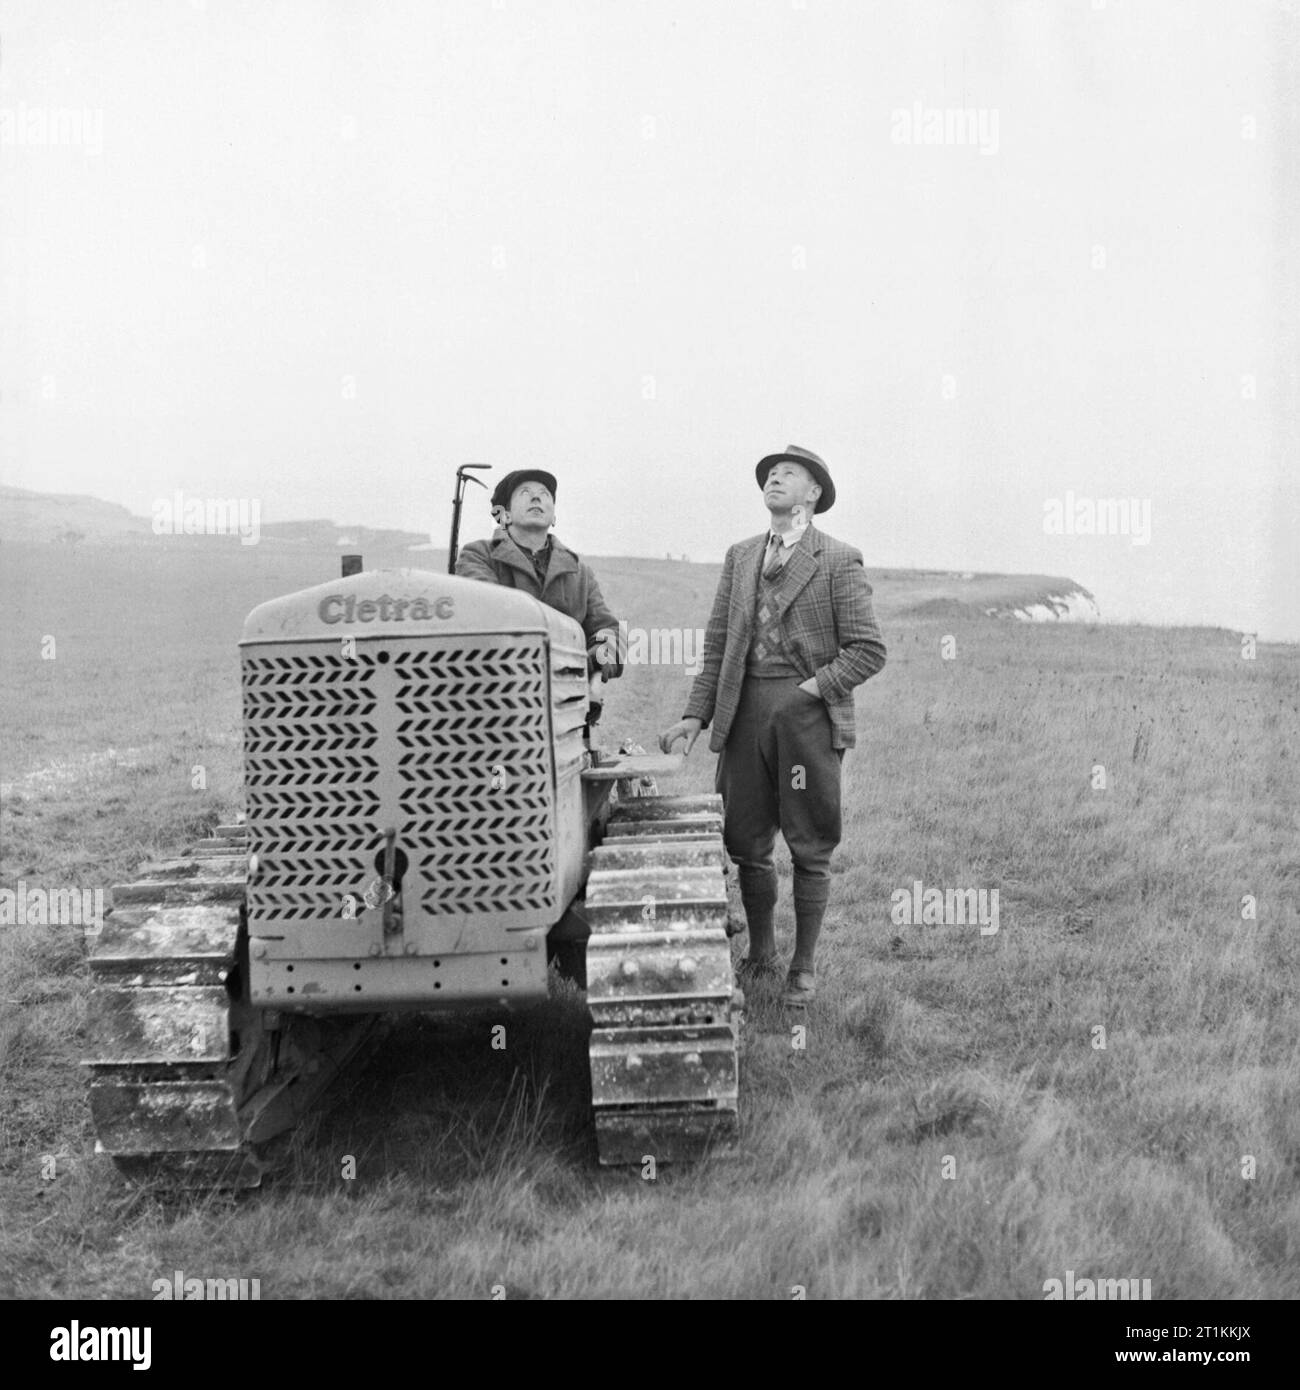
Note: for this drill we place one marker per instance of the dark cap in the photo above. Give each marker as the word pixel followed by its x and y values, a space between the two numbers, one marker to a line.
pixel 505 489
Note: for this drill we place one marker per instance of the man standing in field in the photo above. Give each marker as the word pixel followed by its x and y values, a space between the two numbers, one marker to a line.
pixel 522 554
pixel 790 636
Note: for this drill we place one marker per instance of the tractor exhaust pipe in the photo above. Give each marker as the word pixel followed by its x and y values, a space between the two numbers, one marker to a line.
pixel 351 565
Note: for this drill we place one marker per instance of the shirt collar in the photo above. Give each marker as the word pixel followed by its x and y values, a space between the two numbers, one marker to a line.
pixel 792 537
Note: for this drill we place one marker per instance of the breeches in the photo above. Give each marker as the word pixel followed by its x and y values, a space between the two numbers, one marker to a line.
pixel 779 771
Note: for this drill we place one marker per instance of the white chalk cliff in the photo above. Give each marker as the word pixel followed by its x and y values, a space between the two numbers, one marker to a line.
pixel 1077 606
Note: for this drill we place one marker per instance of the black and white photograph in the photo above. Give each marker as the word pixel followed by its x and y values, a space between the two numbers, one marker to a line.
pixel 650 652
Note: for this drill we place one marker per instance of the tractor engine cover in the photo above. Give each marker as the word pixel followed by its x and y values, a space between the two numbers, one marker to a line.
pixel 412 758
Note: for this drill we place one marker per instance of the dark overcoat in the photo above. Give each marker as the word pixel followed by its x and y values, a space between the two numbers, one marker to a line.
pixel 570 585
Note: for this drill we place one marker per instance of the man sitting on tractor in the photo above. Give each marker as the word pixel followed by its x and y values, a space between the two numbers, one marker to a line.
pixel 522 554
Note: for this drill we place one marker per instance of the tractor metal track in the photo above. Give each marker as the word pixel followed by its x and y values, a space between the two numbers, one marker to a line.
pixel 188 1083
pixel 666 1014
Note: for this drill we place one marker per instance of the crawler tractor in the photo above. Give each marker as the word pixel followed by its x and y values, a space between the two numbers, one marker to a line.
pixel 425 814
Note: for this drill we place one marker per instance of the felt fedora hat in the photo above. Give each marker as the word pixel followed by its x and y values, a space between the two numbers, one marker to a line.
pixel 505 489
pixel 821 474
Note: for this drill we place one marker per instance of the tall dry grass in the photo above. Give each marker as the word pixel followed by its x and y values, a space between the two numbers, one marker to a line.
pixel 949 1127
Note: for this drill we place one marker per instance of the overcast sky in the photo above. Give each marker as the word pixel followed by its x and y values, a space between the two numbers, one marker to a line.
pixel 318 254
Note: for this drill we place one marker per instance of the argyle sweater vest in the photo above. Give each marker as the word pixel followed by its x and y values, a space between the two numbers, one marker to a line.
pixel 769 658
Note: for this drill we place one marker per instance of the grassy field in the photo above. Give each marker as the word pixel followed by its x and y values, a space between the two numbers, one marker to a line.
pixel 952 1127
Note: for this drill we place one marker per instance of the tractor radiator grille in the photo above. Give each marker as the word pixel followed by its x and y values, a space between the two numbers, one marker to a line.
pixel 311 776
pixel 475 773
pixel 448 742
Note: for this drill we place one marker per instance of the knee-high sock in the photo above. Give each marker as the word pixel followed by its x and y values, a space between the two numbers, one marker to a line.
pixel 810 898
pixel 758 895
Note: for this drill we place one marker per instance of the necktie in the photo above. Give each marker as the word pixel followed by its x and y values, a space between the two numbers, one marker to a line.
pixel 771 561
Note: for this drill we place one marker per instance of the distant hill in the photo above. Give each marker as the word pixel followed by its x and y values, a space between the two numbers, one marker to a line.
pixel 330 533
pixel 1030 597
pixel 66 519
pixel 71 519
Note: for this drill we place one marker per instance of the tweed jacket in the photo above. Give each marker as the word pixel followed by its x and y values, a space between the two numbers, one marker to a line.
pixel 570 585
pixel 830 631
